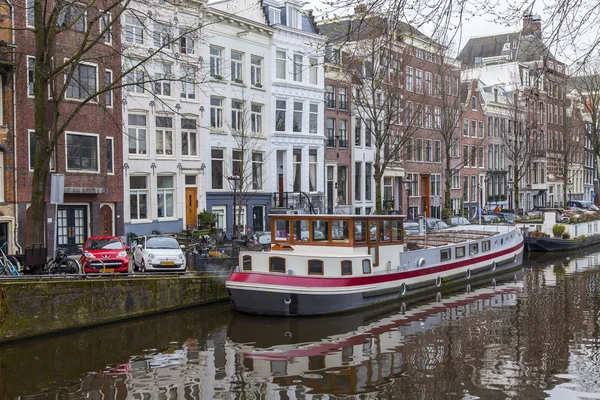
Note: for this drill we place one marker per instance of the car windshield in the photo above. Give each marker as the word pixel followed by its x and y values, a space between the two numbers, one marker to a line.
pixel 162 243
pixel 105 244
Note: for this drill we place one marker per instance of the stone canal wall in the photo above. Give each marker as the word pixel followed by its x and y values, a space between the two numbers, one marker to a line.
pixel 32 308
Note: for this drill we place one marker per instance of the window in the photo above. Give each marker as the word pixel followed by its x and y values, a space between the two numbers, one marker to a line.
pixel 409 149
pixel 346 267
pixel 162 79
pixel 409 79
pixel 277 264
pixel 357 181
pixel 82 83
pixel 342 97
pixel 474 103
pixel 297 67
pixel 82 152
pixel 459 252
pixel 257 171
pixel 343 133
pixel 368 133
pixel 186 41
pixel 216 164
pixel 106 27
pixel 237 120
pixel 136 131
pixel 280 108
pixel 30 13
pixel 368 178
pixel 480 157
pixel 274 16
pixel 189 146
pixel 162 36
pixel 437 152
pixel 419 81
pixel 474 248
pixel 108 95
pixel 388 188
pixel 281 60
pixel 342 190
pixel 165 189
pixel 216 62
pixel 30 75
pixel 438 118
pixel 164 136
pixel 485 246
pixel 329 96
pixel 110 156
pixel 256 70
pixel 297 121
pixel 428 117
pixel 237 66
pixel 72 16
pixel 138 197
pixel 294 18
pixel 330 131
pixel 312 170
pixel 419 149
pixel 455 184
pixel 256 118
pixel 357 131
pixel 216 112
pixel 366 266
pixel 188 82
pixel 32 153
pixel 466 155
pixel 465 127
pixel 313 118
pixel 473 128
pixel 297 163
pixel 134 30
pixel 436 184
pixel 313 75
pixel 134 80
pixel 236 164
pixel 428 83
pixel 445 255
pixel 315 267
pixel 247 263
pixel 481 133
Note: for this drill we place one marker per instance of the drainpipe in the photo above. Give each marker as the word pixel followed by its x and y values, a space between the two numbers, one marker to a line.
pixel 14 111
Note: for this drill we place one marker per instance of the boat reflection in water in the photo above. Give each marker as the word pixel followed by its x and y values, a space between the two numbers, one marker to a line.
pixel 354 353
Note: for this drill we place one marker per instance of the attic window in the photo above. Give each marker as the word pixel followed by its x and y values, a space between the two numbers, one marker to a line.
pixel 551 64
pixel 274 16
pixel 294 18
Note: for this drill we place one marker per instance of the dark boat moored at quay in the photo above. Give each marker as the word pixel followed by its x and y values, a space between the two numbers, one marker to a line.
pixel 536 243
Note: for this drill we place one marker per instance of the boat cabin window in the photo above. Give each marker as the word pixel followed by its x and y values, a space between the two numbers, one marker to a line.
pixel 301 230
pixel 247 263
pixel 320 231
pixel 445 255
pixel 360 231
pixel 366 264
pixel 339 231
pixel 485 246
pixel 315 267
pixel 374 251
pixel 346 267
pixel 474 248
pixel 282 229
pixel 396 230
pixel 373 231
pixel 460 252
pixel 385 233
pixel 277 264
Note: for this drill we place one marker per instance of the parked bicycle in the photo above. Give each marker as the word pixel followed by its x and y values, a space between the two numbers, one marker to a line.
pixel 7 267
pixel 62 264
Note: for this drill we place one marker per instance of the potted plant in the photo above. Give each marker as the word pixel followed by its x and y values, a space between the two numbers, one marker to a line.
pixel 206 219
pixel 558 230
pixel 237 80
pixel 218 77
pixel 258 84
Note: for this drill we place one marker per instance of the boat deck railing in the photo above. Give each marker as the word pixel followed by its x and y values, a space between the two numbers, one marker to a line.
pixel 442 238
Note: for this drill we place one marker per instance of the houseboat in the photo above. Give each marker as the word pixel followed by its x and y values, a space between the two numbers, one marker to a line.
pixel 325 264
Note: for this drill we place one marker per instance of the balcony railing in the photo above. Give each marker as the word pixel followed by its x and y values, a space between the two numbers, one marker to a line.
pixel 330 142
pixel 343 143
pixel 329 103
pixel 343 105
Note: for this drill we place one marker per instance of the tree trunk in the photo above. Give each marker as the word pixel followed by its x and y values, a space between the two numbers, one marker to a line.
pixel 447 186
pixel 378 199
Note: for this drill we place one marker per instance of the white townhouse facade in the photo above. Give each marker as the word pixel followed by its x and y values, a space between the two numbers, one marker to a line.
pixel 236 122
pixel 163 167
pixel 297 108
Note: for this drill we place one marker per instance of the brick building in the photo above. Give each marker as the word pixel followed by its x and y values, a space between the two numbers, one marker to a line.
pixel 89 152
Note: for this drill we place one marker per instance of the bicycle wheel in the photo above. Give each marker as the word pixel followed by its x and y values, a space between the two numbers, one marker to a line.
pixel 11 268
pixel 52 267
pixel 71 266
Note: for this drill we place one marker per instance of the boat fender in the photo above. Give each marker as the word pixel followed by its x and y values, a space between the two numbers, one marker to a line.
pixel 468 273
pixel 469 288
pixel 438 297
pixel 494 283
pixel 494 265
pixel 515 258
pixel 438 281
pixel 421 263
pixel 402 289
pixel 403 308
pixel 287 301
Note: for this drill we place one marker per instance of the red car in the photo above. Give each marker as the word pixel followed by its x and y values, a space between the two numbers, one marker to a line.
pixel 104 254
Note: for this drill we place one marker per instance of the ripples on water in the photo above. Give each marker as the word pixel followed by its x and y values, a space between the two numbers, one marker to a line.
pixel 536 336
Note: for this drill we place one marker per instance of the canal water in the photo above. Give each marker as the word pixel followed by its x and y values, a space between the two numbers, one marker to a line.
pixel 530 334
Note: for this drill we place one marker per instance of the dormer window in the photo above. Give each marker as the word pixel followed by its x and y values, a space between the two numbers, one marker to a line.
pixel 274 16
pixel 294 18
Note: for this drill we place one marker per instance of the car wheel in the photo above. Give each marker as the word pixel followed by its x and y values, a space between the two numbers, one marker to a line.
pixel 135 268
pixel 142 266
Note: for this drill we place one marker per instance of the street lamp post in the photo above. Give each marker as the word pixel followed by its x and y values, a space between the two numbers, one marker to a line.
pixel 233 182
pixel 510 191
pixel 407 187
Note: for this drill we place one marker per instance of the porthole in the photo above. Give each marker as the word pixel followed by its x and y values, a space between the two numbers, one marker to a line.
pixel 421 263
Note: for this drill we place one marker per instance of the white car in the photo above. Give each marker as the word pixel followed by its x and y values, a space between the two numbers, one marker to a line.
pixel 158 253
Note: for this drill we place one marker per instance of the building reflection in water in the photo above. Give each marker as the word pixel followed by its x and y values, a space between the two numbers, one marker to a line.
pixel 531 338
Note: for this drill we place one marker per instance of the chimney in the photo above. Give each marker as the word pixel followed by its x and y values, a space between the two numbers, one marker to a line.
pixel 532 25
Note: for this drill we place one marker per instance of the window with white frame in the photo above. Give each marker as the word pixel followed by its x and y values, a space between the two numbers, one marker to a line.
pixel 256 64
pixel 186 41
pixel 237 115
pixel 216 112
pixel 428 83
pixel 30 16
pixel 419 150
pixel 108 95
pixel 343 133
pixel 419 81
pixel 83 82
pixel 82 152
pixel 297 121
pixel 312 170
pixel 134 29
pixel 237 167
pixel 455 180
pixel 138 197
pixel 257 171
pixel 216 62
pixel 298 67
pixel 106 27
pixel 409 79
pixel 357 131
pixel 256 117
pixel 162 35
pixel 274 16
pixel 368 180
pixel 164 135
pixel 32 153
pixel 280 109
pixel 428 150
pixel 30 75
pixel 297 164
pixel 438 118
pixel 216 164
pixel 72 16
pixel 110 155
pixel 280 64
pixel 388 188
pixel 357 181
pixel 342 185
pixel 313 118
pixel 481 132
pixel 137 130
pixel 436 184
pixel 162 79
pixel 294 18
pixel 313 75
pixel 189 134
pixel 473 128
pixel 188 82
pixel 343 103
pixel 237 66
pixel 221 216
pixel 135 78
pixel 437 152
pixel 428 117
pixel 414 184
pixel 165 193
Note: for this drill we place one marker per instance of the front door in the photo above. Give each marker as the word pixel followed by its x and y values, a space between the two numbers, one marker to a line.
pixel 191 206
pixel 106 224
pixel 71 229
pixel 258 218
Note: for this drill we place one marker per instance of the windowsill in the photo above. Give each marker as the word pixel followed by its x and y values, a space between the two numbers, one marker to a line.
pixel 192 157
pixel 80 171
pixel 185 100
pixel 135 94
pixel 262 89
pixel 140 221
pixel 166 219
pixel 215 80
pixel 234 83
pixel 165 157
pixel 217 131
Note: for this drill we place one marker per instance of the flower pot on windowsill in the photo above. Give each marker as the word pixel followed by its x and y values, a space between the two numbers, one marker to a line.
pixel 258 85
pixel 218 77
pixel 241 82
